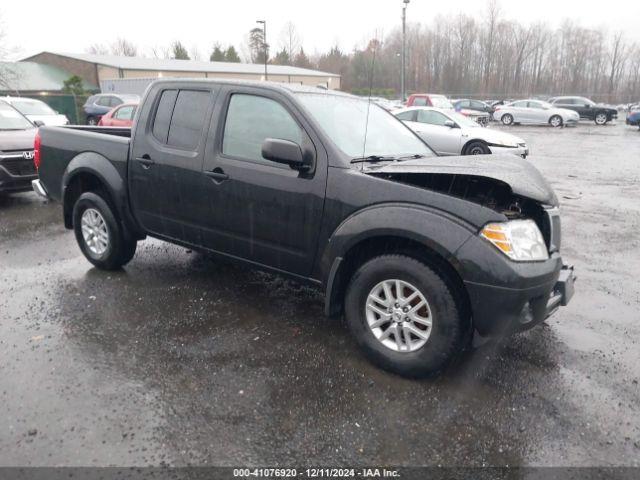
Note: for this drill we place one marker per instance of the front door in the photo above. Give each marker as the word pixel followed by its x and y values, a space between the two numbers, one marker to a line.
pixel 261 210
pixel 430 125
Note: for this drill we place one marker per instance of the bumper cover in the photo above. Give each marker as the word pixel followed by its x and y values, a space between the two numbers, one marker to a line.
pixel 38 187
pixel 14 183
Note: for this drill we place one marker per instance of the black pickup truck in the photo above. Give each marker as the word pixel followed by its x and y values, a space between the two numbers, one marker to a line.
pixel 417 251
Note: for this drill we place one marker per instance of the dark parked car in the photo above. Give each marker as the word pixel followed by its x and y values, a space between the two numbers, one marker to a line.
pixel 588 109
pixel 98 105
pixel 329 189
pixel 633 118
pixel 16 150
pixel 476 105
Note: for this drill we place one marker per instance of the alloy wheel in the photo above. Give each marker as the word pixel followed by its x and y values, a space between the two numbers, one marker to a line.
pixel 94 231
pixel 399 315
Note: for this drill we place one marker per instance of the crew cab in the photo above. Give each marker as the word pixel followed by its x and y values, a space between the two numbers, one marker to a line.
pixel 417 251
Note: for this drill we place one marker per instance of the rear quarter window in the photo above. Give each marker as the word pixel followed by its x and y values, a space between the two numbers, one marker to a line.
pixel 162 118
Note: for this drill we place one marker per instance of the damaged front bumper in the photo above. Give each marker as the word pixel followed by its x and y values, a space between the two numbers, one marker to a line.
pixel 521 150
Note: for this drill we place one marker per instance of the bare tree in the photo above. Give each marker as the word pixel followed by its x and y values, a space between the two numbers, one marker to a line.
pixel 124 48
pixel 98 49
pixel 290 40
pixel 617 60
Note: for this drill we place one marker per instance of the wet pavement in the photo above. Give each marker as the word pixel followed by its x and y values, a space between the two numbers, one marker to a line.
pixel 179 359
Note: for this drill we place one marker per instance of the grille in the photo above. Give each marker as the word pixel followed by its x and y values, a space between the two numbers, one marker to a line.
pixel 19 166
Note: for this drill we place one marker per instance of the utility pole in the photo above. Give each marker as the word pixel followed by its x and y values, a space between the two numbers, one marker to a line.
pixel 265 45
pixel 403 93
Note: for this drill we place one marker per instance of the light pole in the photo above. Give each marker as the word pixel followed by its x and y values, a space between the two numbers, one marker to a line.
pixel 266 47
pixel 404 54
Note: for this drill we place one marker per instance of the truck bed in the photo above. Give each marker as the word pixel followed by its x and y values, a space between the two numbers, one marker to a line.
pixel 59 146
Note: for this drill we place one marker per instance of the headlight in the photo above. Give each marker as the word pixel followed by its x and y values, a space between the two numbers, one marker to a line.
pixel 520 240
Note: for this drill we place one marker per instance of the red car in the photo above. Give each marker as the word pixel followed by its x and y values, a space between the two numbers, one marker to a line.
pixel 120 116
pixel 429 100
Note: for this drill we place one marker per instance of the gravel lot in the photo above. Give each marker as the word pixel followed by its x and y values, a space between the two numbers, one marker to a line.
pixel 181 360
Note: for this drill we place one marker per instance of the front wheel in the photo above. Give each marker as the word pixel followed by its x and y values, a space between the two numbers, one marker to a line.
pixel 100 236
pixel 477 148
pixel 92 121
pixel 601 118
pixel 404 317
pixel 555 121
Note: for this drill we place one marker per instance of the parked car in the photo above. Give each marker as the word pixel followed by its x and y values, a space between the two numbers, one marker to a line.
pixel 535 112
pixel 429 100
pixel 473 105
pixel 328 189
pixel 121 116
pixel 37 111
pixel 98 105
pixel 17 135
pixel 588 109
pixel 450 133
pixel 633 118
pixel 442 102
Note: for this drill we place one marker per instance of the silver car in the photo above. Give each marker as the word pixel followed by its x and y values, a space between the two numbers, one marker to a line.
pixel 451 133
pixel 535 112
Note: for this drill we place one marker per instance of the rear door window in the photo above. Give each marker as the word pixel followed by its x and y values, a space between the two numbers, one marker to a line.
pixel 163 115
pixel 187 121
pixel 409 116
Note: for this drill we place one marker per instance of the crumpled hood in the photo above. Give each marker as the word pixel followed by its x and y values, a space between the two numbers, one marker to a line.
pixel 523 178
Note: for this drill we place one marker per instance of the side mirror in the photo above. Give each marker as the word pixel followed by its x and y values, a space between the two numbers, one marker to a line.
pixel 450 124
pixel 38 123
pixel 285 151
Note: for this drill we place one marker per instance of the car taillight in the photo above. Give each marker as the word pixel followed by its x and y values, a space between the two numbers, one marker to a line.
pixel 36 151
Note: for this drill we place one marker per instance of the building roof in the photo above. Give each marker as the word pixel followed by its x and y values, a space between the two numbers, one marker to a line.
pixel 155 64
pixel 32 76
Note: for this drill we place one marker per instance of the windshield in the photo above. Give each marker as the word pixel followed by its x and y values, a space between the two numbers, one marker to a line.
pixel 439 101
pixel 344 120
pixel 10 119
pixel 27 107
pixel 462 120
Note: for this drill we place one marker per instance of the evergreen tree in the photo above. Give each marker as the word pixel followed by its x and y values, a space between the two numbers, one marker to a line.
pixel 179 52
pixel 231 55
pixel 217 55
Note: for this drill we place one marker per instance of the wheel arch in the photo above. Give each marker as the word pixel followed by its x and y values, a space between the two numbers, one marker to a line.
pixel 434 242
pixel 91 171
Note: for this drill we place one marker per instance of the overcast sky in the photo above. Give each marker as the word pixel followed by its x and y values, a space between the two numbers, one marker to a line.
pixel 71 26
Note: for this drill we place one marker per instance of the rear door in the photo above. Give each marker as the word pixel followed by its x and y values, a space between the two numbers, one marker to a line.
pixel 168 191
pixel 260 210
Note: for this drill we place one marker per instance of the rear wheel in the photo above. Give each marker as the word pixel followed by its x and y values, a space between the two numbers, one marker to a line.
pixel 601 118
pixel 404 316
pixel 555 121
pixel 100 236
pixel 476 148
pixel 507 119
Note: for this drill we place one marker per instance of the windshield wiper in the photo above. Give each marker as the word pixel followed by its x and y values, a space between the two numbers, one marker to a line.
pixel 411 157
pixel 373 159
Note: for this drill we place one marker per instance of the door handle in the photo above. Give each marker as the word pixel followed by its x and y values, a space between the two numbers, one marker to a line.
pixel 145 161
pixel 217 175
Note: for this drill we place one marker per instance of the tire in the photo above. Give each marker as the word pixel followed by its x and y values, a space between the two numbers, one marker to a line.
pixel 600 118
pixel 507 119
pixel 476 148
pixel 99 234
pixel 93 121
pixel 556 121
pixel 445 338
